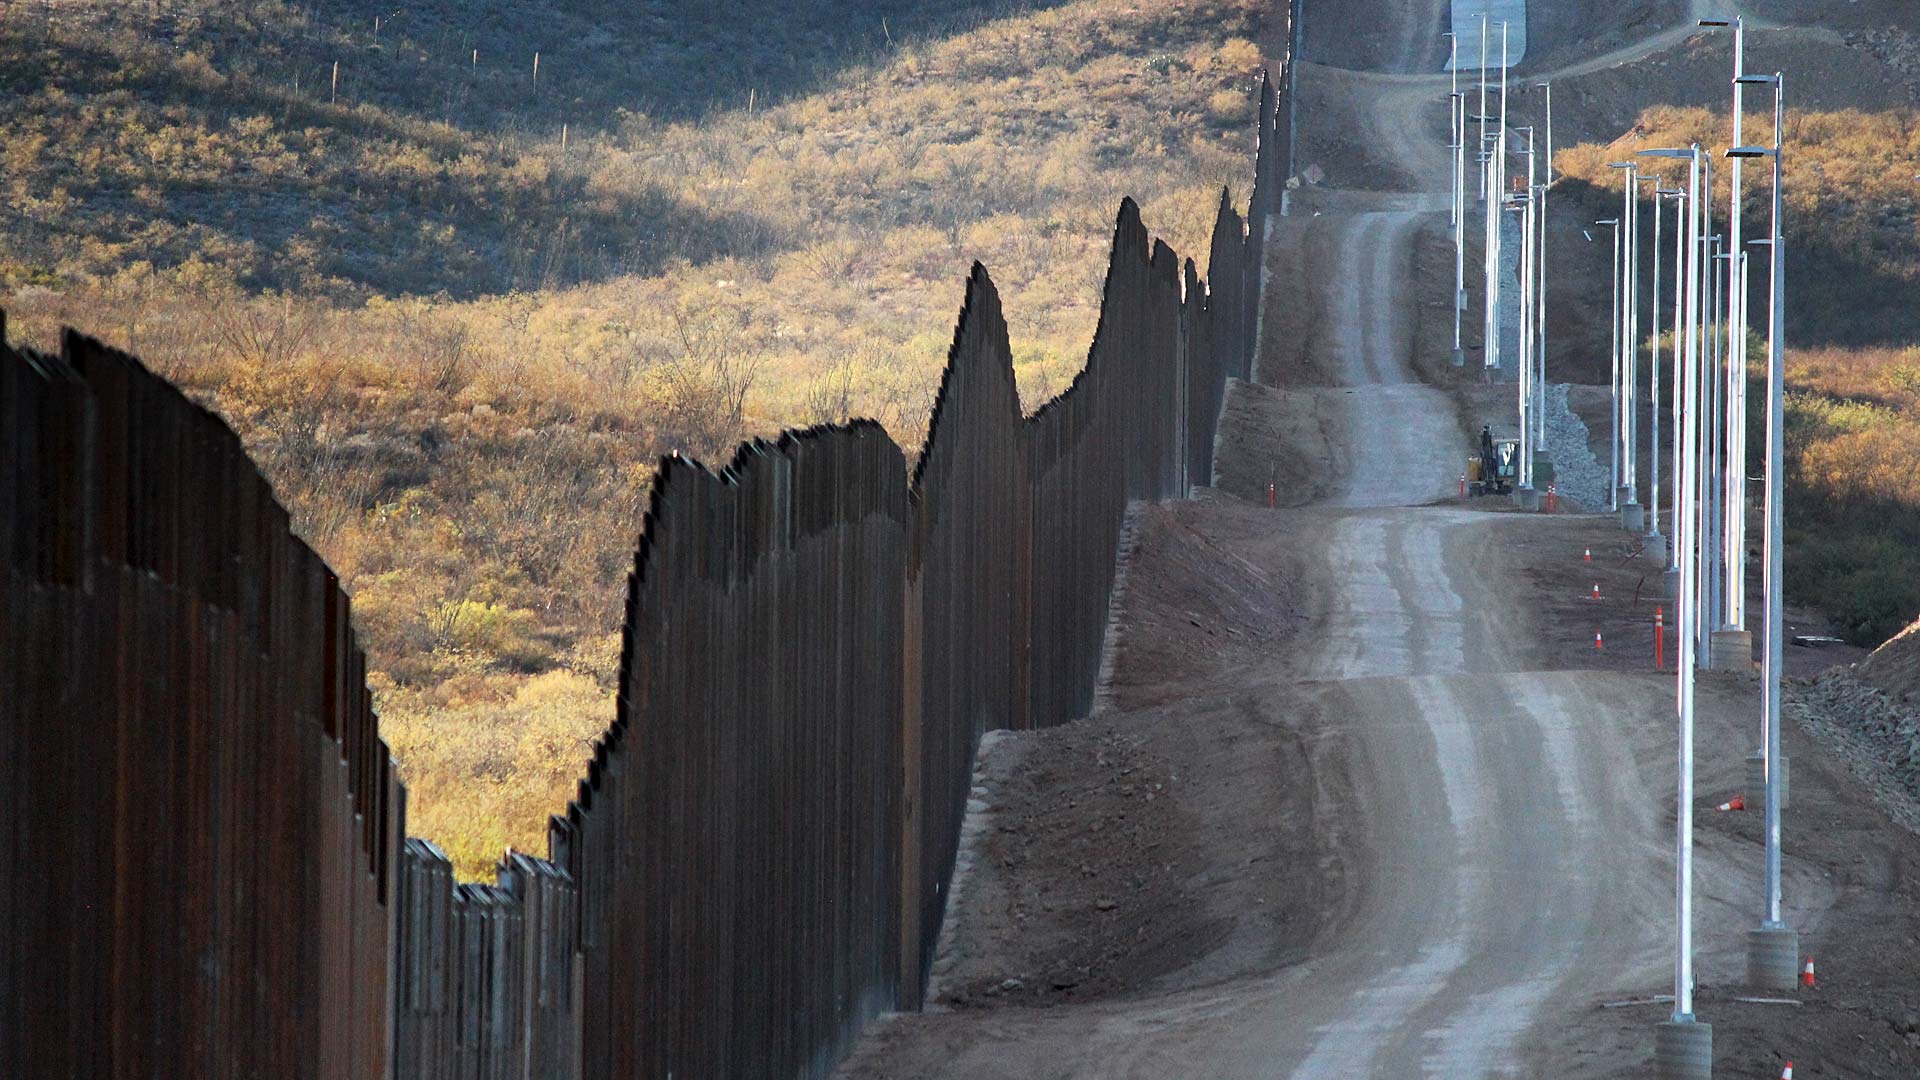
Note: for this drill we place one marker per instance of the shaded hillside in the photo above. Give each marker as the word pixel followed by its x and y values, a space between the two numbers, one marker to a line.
pixel 348 147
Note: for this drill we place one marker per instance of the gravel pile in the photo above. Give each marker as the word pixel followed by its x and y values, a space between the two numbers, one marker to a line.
pixel 1576 473
pixel 1878 739
pixel 1509 313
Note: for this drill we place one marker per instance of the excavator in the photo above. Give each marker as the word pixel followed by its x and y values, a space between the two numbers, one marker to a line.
pixel 1496 468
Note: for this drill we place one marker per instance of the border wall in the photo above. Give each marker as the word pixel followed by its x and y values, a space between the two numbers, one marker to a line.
pixel 209 873
pixel 202 819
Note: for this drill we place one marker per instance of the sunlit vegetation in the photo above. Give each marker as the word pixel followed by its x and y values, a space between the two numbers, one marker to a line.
pixel 1853 210
pixel 1853 445
pixel 457 313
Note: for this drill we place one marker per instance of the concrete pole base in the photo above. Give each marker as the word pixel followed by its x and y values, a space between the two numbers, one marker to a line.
pixel 1527 498
pixel 1773 958
pixel 1459 358
pixel 1633 517
pixel 1757 779
pixel 1683 1050
pixel 1620 497
pixel 1656 548
pixel 1732 650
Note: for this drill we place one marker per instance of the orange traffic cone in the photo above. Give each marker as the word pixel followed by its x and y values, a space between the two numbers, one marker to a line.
pixel 1597 642
pixel 1787 1073
pixel 1806 974
pixel 1596 590
pixel 1589 556
pixel 1736 803
pixel 1659 638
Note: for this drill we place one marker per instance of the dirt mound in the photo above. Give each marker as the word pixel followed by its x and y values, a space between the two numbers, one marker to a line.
pixel 1113 857
pixel 1208 601
pixel 1895 666
pixel 1281 437
pixel 1850 13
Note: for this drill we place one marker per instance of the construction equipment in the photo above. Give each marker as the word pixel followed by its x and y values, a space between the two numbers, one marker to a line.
pixel 1496 468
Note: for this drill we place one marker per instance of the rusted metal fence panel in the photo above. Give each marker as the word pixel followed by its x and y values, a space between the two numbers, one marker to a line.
pixel 738 832
pixel 197 877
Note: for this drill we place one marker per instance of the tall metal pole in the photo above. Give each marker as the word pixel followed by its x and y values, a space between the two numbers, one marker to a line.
pixel 1689 614
pixel 1736 485
pixel 1681 245
pixel 1525 357
pixel 1711 534
pixel 1525 351
pixel 1453 104
pixel 1653 505
pixel 1490 319
pixel 1483 100
pixel 1456 168
pixel 1457 211
pixel 1773 948
pixel 1683 1045
pixel 1716 415
pixel 1775 539
pixel 1630 337
pixel 1500 185
pixel 1683 1039
pixel 1540 290
pixel 1613 448
pixel 1496 183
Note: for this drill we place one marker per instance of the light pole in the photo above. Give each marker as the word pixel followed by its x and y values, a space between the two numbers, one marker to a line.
pixel 1525 204
pixel 1626 498
pixel 1656 544
pixel 1491 251
pixel 1680 247
pixel 1495 185
pixel 1540 290
pixel 1458 167
pixel 1613 446
pixel 1772 944
pixel 1712 535
pixel 1458 210
pixel 1683 1047
pixel 1483 100
pixel 1734 525
pixel 1523 491
pixel 1453 100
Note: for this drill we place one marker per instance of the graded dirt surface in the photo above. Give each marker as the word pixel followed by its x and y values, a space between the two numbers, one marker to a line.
pixel 1362 798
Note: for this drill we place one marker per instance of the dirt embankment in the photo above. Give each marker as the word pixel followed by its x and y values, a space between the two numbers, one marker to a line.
pixel 1111 858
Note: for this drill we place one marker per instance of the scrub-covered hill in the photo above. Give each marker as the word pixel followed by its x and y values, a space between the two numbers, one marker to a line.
pixel 457 310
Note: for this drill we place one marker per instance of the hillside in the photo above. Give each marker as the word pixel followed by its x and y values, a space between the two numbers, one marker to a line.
pixel 458 345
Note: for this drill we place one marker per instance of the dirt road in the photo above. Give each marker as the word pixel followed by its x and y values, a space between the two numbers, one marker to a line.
pixel 1395 827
